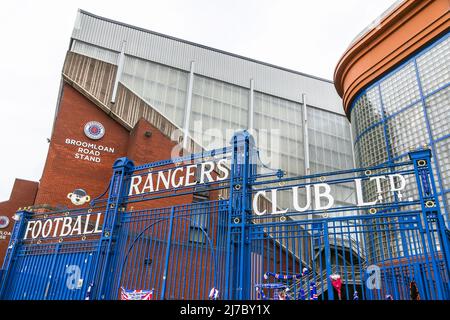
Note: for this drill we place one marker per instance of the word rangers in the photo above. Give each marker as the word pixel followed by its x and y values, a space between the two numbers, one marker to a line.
pixel 179 177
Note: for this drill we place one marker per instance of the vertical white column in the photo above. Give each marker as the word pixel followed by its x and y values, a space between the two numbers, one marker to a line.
pixel 120 62
pixel 305 136
pixel 357 229
pixel 251 109
pixel 353 146
pixel 306 155
pixel 188 107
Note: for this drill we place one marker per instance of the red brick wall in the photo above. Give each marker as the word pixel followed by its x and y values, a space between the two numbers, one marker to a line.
pixel 63 172
pixel 143 149
pixel 22 195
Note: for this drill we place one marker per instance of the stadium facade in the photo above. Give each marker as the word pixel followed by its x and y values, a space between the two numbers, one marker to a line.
pixel 180 94
pixel 130 98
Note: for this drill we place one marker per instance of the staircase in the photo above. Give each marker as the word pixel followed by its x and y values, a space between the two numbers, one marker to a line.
pixel 321 280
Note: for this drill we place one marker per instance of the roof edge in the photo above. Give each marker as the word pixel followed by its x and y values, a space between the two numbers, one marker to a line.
pixel 204 46
pixel 402 32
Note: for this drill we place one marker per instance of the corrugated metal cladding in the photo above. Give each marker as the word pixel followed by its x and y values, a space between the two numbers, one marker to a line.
pixel 226 67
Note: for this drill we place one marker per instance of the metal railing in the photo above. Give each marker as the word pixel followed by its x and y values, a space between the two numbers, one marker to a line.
pixel 321 280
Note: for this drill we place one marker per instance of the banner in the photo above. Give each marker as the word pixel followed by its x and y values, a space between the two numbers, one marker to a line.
pixel 136 294
pixel 280 276
pixel 337 283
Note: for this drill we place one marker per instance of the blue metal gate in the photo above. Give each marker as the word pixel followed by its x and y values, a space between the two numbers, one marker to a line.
pixel 227 232
pixel 57 268
pixel 178 251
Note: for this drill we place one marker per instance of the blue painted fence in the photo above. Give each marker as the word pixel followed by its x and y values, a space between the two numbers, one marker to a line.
pixel 209 237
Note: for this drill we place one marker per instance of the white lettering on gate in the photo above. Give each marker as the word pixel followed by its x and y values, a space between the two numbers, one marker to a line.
pixel 323 199
pixel 295 199
pixel 174 176
pixel 190 174
pixel 206 173
pixel 62 227
pixel 134 186
pixel 178 177
pixel 57 220
pixel 323 195
pixel 97 224
pixel 255 203
pixel 35 234
pixel 402 183
pixel 224 172
pixel 67 223
pixel 47 226
pixel 359 195
pixel 86 225
pixel 165 180
pixel 275 203
pixel 76 226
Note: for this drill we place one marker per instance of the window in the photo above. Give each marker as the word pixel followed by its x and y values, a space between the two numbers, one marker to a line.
pixel 198 228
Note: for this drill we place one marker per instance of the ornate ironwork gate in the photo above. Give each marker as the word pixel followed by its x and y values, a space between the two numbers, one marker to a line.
pixel 221 228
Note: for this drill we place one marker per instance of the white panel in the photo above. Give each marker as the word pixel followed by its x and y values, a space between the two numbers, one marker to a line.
pixel 210 62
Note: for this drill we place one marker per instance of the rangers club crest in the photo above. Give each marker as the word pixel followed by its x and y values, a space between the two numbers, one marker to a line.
pixel 4 222
pixel 94 130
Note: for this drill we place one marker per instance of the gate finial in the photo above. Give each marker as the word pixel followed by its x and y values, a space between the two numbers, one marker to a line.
pixel 123 162
pixel 242 135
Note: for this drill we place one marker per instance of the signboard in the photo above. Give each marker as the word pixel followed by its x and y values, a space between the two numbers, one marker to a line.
pixel 179 177
pixel 318 195
pixel 4 222
pixel 63 226
pixel 88 151
pixel 94 130
pixel 324 200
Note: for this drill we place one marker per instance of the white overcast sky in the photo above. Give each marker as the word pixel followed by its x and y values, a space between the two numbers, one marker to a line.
pixel 308 36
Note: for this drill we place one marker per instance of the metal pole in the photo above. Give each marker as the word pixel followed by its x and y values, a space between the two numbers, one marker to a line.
pixel 430 212
pixel 306 136
pixel 251 109
pixel 166 264
pixel 14 243
pixel 307 165
pixel 119 72
pixel 327 262
pixel 188 108
pixel 117 191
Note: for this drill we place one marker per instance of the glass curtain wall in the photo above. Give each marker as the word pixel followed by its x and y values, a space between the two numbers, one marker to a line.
pixel 218 109
pixel 408 108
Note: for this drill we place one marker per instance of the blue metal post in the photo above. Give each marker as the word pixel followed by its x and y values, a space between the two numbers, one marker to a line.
pixel 242 170
pixel 117 191
pixel 431 213
pixel 327 261
pixel 166 263
pixel 14 242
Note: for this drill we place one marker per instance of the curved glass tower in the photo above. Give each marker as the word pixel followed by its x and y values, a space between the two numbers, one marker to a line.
pixel 408 108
